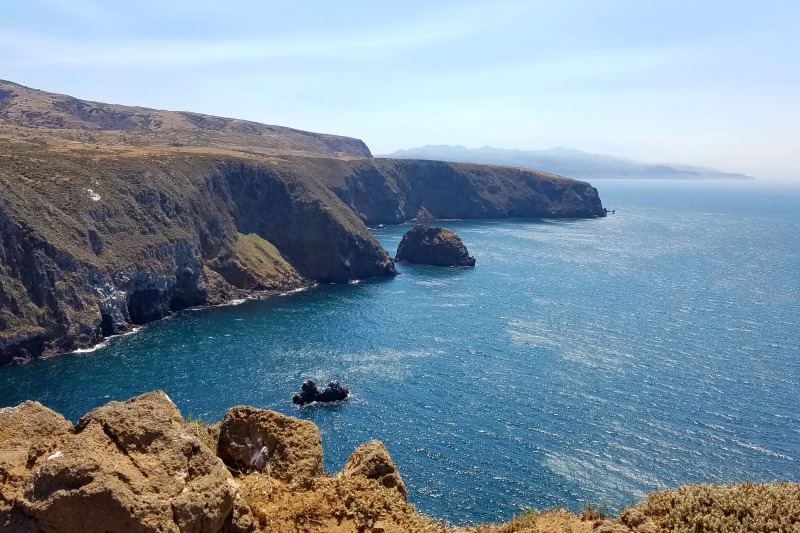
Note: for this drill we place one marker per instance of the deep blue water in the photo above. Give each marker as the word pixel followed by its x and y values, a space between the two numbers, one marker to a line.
pixel 591 360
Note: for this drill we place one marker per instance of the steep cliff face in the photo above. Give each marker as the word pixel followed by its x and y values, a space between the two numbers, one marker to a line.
pixel 94 243
pixel 323 239
pixel 112 216
pixel 390 191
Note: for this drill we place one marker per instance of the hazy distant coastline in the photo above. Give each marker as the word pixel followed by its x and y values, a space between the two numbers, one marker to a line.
pixel 566 162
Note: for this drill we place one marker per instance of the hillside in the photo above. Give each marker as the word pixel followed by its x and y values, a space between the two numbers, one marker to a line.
pixel 112 216
pixel 391 191
pixel 96 242
pixel 565 162
pixel 30 113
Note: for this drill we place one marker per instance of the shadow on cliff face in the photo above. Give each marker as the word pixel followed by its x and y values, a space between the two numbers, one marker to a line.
pixel 156 235
pixel 391 191
pixel 93 245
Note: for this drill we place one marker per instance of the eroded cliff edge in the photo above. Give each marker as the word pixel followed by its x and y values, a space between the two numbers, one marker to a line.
pixel 113 216
pixel 95 242
pixel 98 240
pixel 391 191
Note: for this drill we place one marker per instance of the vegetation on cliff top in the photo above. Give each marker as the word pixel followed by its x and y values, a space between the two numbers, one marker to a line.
pixel 94 241
pixel 59 119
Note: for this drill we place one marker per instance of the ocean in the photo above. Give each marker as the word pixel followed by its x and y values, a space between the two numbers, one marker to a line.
pixel 579 361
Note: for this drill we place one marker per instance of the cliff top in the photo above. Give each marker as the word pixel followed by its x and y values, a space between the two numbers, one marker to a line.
pixel 61 119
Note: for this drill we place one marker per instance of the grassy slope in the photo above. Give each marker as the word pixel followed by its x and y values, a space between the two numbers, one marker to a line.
pixel 60 119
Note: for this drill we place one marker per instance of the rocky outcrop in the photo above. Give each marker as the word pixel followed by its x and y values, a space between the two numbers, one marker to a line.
pixel 257 440
pixel 371 460
pixel 309 392
pixel 433 246
pixel 24 429
pixel 126 466
pixel 391 191
pixel 136 466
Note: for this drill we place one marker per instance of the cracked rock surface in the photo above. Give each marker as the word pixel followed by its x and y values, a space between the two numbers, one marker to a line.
pixel 257 440
pixel 126 466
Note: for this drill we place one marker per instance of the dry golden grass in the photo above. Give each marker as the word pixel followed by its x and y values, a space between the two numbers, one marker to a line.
pixel 333 504
pixel 206 432
pixel 736 508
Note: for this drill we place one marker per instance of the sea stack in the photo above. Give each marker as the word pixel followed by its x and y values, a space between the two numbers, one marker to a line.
pixel 433 246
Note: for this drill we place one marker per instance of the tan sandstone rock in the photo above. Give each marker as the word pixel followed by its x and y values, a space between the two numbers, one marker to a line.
pixel 257 440
pixel 129 466
pixel 371 460
pixel 24 430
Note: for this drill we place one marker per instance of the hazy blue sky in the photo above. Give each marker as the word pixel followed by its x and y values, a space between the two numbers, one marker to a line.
pixel 702 82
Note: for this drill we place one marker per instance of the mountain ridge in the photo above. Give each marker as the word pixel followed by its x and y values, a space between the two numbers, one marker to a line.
pixel 565 162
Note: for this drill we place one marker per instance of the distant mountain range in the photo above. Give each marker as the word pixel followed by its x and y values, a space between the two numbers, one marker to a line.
pixel 565 162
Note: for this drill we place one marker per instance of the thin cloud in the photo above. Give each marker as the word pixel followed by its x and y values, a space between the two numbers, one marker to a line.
pixel 30 48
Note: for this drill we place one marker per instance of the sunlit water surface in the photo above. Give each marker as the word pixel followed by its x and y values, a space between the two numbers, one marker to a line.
pixel 590 360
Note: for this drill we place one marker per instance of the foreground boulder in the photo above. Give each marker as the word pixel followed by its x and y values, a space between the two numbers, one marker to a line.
pixel 22 430
pixel 433 246
pixel 257 440
pixel 371 460
pixel 126 466
pixel 309 392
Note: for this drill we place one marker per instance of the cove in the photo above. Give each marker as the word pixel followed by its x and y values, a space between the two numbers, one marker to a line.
pixel 580 360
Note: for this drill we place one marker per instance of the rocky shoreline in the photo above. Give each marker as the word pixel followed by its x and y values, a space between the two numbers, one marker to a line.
pixel 164 232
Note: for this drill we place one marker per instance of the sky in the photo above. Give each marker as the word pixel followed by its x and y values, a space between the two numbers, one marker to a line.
pixel 713 83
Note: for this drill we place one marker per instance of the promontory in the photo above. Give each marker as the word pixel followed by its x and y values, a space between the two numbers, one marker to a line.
pixel 114 216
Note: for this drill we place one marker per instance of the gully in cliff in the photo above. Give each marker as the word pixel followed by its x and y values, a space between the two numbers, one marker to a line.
pixel 309 392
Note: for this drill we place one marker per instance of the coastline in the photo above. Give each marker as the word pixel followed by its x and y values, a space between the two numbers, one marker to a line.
pixel 137 328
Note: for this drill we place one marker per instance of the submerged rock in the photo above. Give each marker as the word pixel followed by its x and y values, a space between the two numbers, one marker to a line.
pixel 309 392
pixel 433 246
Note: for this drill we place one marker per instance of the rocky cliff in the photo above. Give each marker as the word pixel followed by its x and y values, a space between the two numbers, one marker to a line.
pixel 138 466
pixel 390 191
pixel 433 246
pixel 113 216
pixel 94 242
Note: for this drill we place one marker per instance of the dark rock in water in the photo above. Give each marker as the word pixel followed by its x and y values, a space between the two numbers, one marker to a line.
pixel 309 392
pixel 433 246
pixel 333 392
